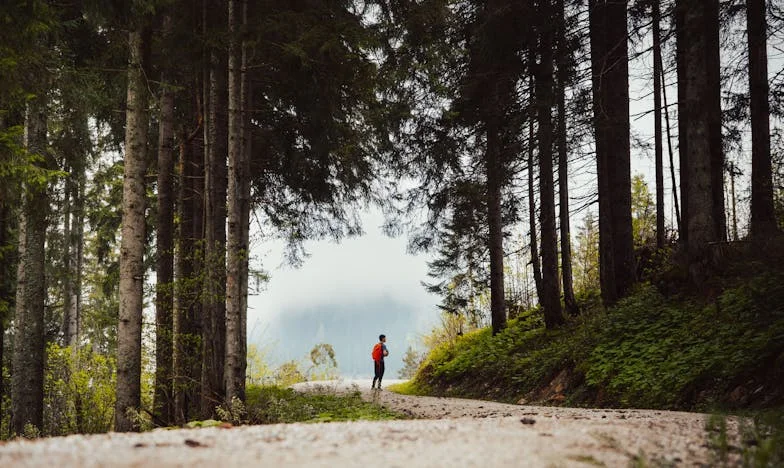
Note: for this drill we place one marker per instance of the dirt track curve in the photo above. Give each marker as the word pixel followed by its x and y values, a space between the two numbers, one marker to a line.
pixel 456 433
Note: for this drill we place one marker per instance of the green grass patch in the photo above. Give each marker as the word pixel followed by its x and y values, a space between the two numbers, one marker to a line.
pixel 274 405
pixel 409 387
pixel 647 351
pixel 760 442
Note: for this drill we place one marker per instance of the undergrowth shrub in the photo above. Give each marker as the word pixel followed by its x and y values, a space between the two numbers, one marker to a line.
pixel 79 391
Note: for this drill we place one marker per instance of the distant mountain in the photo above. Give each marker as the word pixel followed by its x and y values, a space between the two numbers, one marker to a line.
pixel 352 328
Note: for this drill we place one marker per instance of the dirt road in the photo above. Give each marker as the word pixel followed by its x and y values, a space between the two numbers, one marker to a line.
pixel 459 433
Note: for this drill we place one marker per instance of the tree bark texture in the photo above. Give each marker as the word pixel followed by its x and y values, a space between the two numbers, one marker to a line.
pixel 683 120
pixel 670 151
pixel 5 291
pixel 129 346
pixel 27 380
pixel 698 140
pixel 494 169
pixel 710 18
pixel 238 209
pixel 763 216
pixel 563 164
pixel 164 300
pixel 214 312
pixel 609 62
pixel 187 317
pixel 534 242
pixel 73 248
pixel 657 126
pixel 551 291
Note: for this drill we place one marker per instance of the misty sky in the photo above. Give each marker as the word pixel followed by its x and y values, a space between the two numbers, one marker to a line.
pixel 346 295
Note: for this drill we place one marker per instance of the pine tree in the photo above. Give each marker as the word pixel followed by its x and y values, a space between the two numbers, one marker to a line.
pixel 609 62
pixel 544 84
pixel 129 333
pixel 699 121
pixel 28 360
pixel 239 206
pixel 763 218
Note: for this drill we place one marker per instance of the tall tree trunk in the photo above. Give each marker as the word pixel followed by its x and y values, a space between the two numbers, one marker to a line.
pixel 609 62
pixel 532 204
pixel 214 313
pixel 763 216
pixel 129 332
pixel 77 256
pixel 239 207
pixel 187 314
pixel 733 173
pixel 496 246
pixel 551 291
pixel 657 116
pixel 698 139
pixel 164 300
pixel 27 380
pixel 669 146
pixel 710 18
pixel 5 291
pixel 66 251
pixel 73 238
pixel 683 120
pixel 563 164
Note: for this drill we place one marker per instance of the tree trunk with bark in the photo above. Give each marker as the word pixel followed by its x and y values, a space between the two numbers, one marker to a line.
pixel 609 62
pixel 27 380
pixel 657 56
pixel 697 48
pixel 129 332
pixel 683 119
pixel 239 207
pixel 187 311
pixel 710 18
pixel 551 291
pixel 534 243
pixel 657 116
pixel 74 232
pixel 214 312
pixel 763 216
pixel 494 169
pixel 5 291
pixel 164 299
pixel 563 164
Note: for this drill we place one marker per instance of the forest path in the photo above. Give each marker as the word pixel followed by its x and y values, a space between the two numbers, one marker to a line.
pixel 462 433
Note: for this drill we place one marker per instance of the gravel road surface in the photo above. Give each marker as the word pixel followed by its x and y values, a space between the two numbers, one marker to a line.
pixel 457 433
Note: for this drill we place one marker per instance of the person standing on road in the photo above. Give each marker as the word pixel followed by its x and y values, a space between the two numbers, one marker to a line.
pixel 378 354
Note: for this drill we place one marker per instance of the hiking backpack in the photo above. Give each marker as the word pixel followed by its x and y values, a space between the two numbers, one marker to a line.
pixel 377 352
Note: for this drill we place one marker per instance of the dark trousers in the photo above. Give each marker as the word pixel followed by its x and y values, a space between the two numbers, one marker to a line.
pixel 378 368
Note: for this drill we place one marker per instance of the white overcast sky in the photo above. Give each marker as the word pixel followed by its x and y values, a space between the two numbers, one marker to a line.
pixel 373 265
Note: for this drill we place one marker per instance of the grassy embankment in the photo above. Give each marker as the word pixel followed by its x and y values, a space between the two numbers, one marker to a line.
pixel 685 351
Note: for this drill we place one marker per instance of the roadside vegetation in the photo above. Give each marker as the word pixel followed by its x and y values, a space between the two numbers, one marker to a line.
pixel 274 405
pixel 649 351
